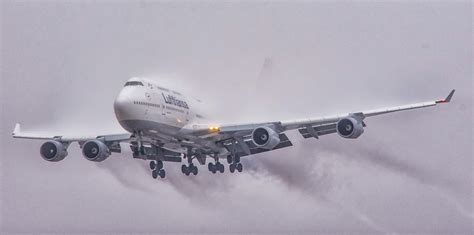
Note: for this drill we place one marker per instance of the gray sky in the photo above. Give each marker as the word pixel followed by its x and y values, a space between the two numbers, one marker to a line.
pixel 62 64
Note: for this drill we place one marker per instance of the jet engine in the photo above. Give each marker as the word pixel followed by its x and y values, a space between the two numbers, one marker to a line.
pixel 265 137
pixel 95 150
pixel 349 128
pixel 53 151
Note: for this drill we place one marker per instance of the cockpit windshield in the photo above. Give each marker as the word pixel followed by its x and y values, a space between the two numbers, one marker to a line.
pixel 134 83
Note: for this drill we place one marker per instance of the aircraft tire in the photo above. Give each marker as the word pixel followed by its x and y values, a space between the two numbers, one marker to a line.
pixel 221 167
pixel 162 173
pixel 239 167
pixel 152 165
pixel 159 164
pixel 154 174
pixel 210 167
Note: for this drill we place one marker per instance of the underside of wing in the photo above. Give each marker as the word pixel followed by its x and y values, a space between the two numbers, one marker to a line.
pixel 318 130
pixel 248 147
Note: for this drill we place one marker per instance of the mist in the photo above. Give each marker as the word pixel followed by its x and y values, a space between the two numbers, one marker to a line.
pixel 62 65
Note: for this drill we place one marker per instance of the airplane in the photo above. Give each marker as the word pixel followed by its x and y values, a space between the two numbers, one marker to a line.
pixel 163 125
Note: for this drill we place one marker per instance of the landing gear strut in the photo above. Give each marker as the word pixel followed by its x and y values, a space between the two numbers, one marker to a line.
pixel 137 147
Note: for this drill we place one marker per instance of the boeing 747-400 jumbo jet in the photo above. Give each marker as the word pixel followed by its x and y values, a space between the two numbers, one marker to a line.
pixel 164 126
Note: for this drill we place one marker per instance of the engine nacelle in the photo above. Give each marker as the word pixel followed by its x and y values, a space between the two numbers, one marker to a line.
pixel 265 137
pixel 349 128
pixel 95 150
pixel 53 151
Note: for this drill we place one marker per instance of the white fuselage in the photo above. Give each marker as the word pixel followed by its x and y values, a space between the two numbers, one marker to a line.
pixel 143 106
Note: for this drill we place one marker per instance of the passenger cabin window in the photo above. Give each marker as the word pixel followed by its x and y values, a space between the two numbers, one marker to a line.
pixel 134 83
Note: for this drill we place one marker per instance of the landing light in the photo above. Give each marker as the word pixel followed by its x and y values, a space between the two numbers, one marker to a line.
pixel 213 128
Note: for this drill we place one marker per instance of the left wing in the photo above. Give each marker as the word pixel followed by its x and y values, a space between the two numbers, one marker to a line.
pixel 240 135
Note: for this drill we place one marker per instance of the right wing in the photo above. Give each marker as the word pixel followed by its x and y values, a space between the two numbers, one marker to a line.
pixel 17 133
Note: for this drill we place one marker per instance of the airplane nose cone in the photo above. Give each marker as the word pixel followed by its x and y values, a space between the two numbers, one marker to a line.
pixel 122 106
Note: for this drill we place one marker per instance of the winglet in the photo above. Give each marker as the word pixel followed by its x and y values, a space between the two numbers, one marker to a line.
pixel 448 98
pixel 17 129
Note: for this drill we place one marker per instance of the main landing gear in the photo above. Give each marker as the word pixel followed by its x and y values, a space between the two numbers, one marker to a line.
pixel 190 168
pixel 234 164
pixel 215 167
pixel 157 169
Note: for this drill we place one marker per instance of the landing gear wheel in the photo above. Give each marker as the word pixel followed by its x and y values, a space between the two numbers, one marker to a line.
pixel 159 164
pixel 162 173
pixel 183 169
pixel 210 167
pixel 239 167
pixel 229 159
pixel 195 170
pixel 232 168
pixel 152 165
pixel 154 174
pixel 221 167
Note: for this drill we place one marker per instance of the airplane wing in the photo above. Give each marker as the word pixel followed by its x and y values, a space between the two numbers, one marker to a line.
pixel 310 127
pixel 17 133
pixel 230 141
pixel 237 138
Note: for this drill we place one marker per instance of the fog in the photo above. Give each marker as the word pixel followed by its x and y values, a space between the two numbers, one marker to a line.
pixel 62 65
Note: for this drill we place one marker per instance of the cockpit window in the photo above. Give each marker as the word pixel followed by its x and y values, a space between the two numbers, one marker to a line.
pixel 134 83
